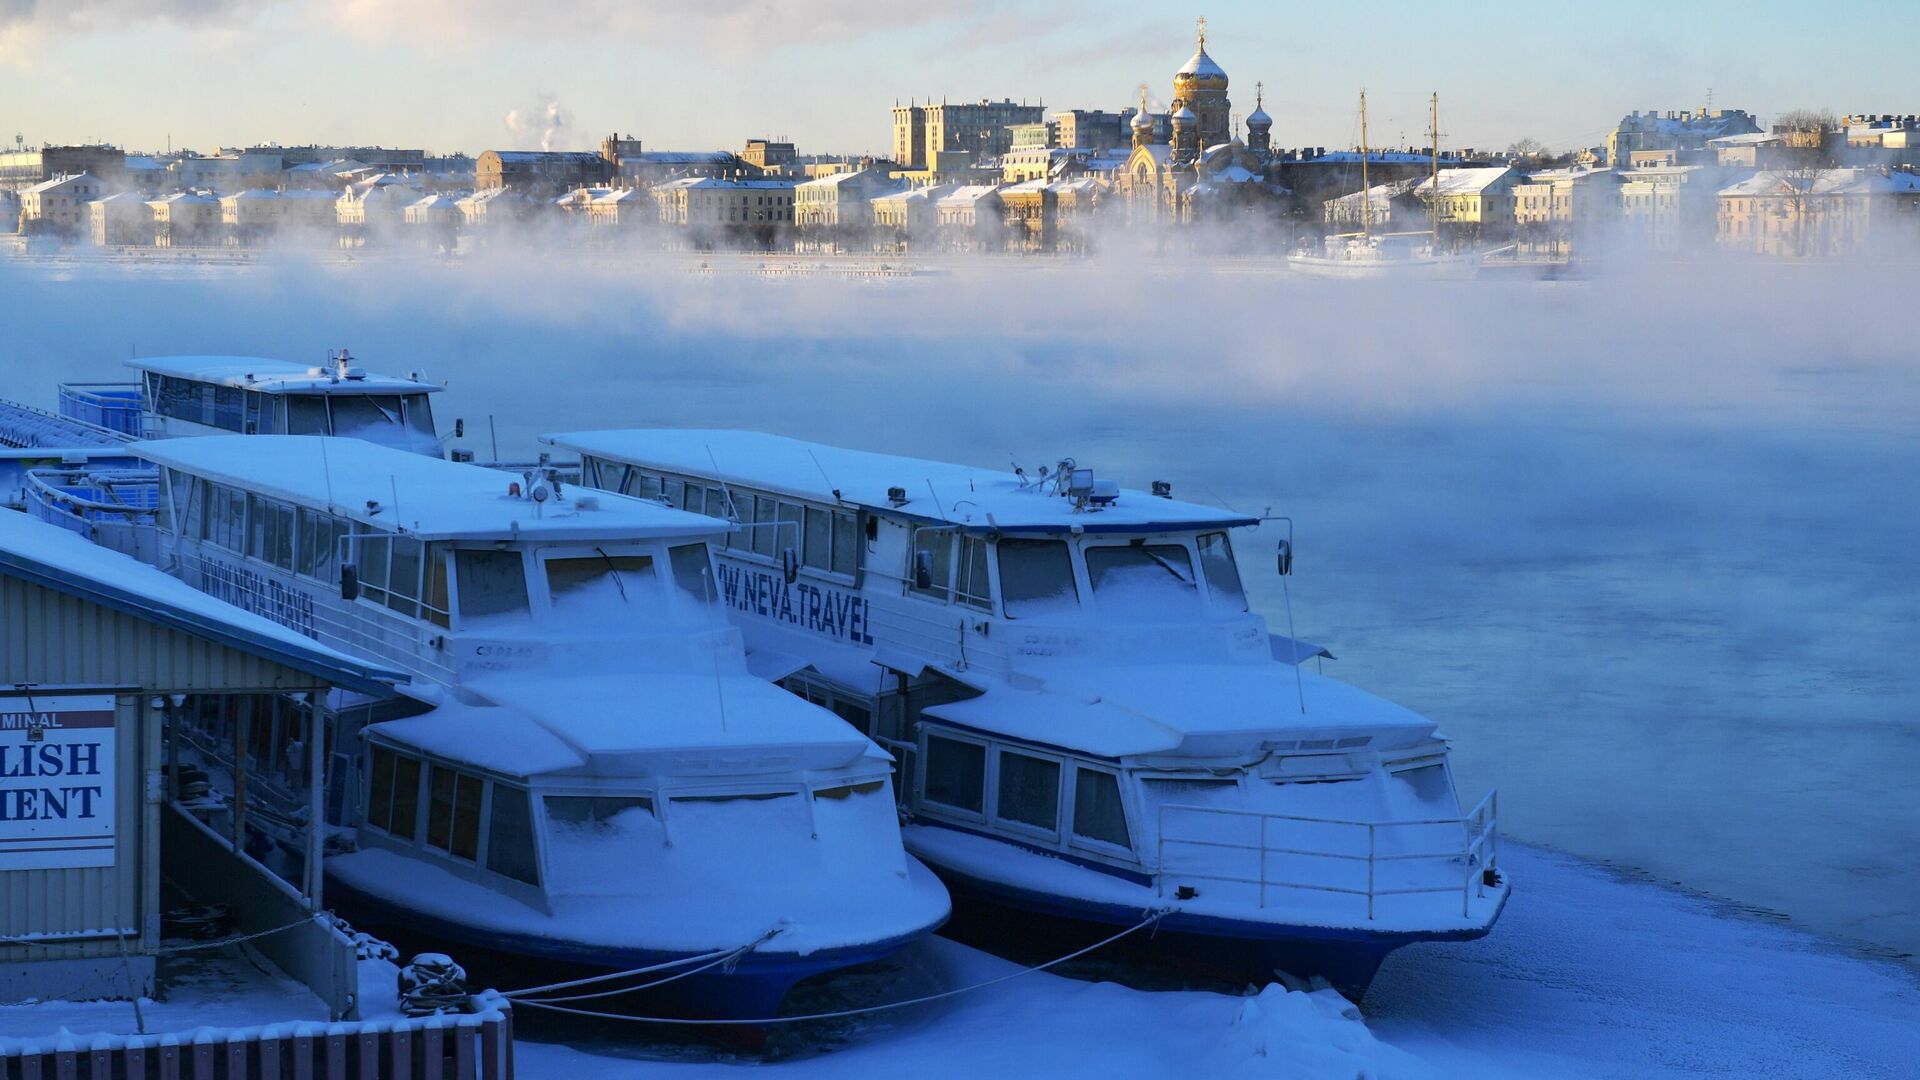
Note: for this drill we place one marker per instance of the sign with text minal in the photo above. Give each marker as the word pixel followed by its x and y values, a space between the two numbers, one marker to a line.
pixel 56 781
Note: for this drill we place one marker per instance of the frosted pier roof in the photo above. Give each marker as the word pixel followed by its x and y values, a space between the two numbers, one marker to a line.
pixel 982 500
pixel 412 493
pixel 52 557
pixel 275 376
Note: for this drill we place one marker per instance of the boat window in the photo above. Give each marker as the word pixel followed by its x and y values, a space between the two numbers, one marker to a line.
pixel 453 812
pixel 181 399
pixel 393 798
pixel 256 407
pixel 367 416
pixel 937 544
pixel 972 587
pixel 692 498
pixel 370 554
pixel 193 494
pixel 403 579
pixel 956 773
pixel 1192 791
pixel 717 505
pixel 1098 813
pixel 306 415
pixel 1429 782
pixel 1149 580
pixel 846 543
pixel 819 539
pixel 594 841
pixel 597 813
pixel 318 544
pixel 693 572
pixel 642 485
pixel 1036 578
pixel 419 414
pixel 1029 791
pixel 583 584
pixel 1223 576
pixel 490 583
pixel 675 492
pixel 846 791
pixel 433 595
pixel 510 835
pixel 790 532
pixel 766 540
pixel 229 402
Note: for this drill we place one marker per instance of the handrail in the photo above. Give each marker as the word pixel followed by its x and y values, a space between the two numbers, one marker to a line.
pixel 1479 852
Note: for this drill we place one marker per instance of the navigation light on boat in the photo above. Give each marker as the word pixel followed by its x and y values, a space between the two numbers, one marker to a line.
pixel 1162 489
pixel 897 496
pixel 923 569
pixel 349 582
pixel 790 565
pixel 1284 557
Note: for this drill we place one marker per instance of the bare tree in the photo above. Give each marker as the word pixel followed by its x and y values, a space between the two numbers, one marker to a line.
pixel 1810 137
pixel 1527 150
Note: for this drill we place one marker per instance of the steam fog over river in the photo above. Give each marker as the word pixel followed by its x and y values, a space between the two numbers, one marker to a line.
pixel 1644 545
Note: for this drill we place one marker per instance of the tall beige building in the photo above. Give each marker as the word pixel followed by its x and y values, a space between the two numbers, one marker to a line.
pixel 921 132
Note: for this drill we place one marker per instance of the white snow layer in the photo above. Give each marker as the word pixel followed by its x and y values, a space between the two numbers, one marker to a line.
pixel 1589 974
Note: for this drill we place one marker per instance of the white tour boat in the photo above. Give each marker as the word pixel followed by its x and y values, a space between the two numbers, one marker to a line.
pixel 586 774
pixel 1091 722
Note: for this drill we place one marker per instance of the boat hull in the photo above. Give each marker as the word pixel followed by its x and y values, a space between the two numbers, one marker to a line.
pixel 751 987
pixel 1009 918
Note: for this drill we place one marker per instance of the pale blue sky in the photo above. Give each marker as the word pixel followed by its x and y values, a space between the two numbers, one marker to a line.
pixel 703 73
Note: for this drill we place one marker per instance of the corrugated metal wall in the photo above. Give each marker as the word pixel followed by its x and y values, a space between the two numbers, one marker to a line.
pixel 51 640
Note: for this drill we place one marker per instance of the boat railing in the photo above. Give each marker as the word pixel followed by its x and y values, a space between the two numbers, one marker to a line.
pixel 347 625
pixel 113 508
pixel 113 406
pixel 1280 853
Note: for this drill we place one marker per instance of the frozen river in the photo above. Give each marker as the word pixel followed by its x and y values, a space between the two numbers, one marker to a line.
pixel 1643 545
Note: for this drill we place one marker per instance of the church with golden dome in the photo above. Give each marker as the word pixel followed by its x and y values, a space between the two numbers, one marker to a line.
pixel 1205 165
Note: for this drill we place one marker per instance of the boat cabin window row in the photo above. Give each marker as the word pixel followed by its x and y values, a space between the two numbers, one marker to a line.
pixel 398 572
pixel 250 412
pixel 1055 800
pixel 1038 576
pixel 432 805
pixel 823 538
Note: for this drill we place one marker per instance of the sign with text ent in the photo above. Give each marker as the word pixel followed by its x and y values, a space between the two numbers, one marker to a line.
pixel 56 781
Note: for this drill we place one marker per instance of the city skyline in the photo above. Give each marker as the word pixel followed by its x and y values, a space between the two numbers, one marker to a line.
pixel 824 73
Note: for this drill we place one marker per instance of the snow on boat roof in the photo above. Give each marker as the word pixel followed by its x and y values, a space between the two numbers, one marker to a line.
pixel 426 497
pixel 618 725
pixel 52 557
pixel 1115 711
pixel 979 499
pixel 274 376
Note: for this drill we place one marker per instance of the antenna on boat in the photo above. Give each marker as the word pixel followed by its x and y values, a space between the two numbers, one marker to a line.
pixel 326 472
pixel 494 438
pixel 724 489
pixel 823 475
pixel 936 498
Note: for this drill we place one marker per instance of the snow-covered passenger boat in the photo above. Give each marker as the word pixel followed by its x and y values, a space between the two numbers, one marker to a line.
pixel 250 395
pixel 589 776
pixel 1091 722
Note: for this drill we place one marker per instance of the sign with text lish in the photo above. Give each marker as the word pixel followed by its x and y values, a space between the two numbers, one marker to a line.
pixel 56 781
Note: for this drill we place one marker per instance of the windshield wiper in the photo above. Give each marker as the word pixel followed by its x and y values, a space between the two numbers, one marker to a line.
pixel 1167 566
pixel 615 571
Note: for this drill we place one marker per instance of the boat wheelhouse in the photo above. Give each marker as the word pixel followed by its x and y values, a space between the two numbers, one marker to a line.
pixel 1091 721
pixel 250 395
pixel 587 773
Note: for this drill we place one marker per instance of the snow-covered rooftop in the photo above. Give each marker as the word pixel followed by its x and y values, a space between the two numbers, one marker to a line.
pixel 1827 182
pixel 1466 181
pixel 275 376
pixel 960 494
pixel 427 497
pixel 1200 65
pixel 66 562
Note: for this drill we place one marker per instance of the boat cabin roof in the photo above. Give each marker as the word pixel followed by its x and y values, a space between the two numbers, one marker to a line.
pixel 653 725
pixel 277 376
pixel 1210 710
pixel 428 497
pixel 976 499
